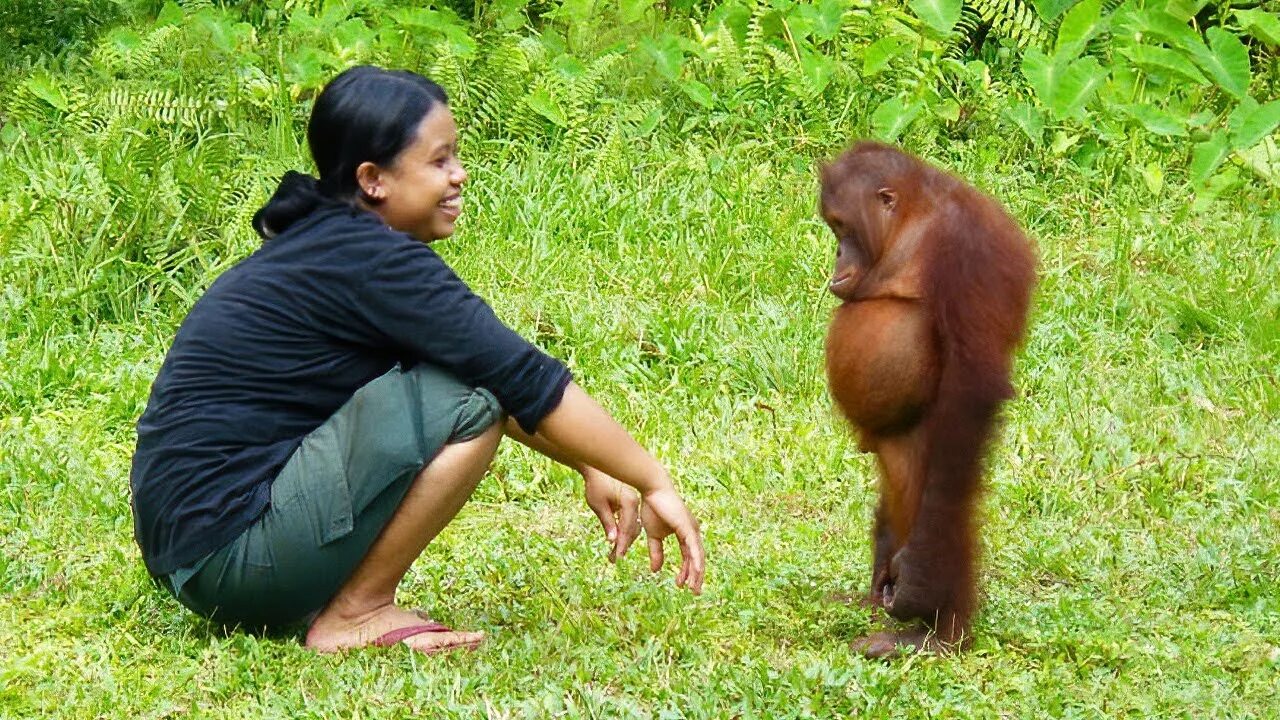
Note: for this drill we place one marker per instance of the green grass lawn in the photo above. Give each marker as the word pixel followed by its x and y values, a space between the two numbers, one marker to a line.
pixel 666 246
pixel 1132 543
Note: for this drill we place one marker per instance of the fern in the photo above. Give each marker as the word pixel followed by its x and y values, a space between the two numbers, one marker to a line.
pixel 581 98
pixel 1013 20
pixel 494 85
pixel 755 56
pixel 158 105
pixel 446 69
pixel 124 52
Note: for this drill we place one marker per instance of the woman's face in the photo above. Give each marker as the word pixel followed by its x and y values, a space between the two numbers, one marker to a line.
pixel 420 192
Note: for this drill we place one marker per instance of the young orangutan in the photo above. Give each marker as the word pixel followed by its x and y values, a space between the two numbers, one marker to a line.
pixel 935 280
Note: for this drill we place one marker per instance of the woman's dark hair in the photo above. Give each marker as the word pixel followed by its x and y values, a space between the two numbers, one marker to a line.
pixel 365 114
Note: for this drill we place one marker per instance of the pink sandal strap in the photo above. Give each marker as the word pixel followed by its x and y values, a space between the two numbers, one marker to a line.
pixel 395 636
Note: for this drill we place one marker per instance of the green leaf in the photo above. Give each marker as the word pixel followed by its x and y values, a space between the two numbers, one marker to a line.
pixel 308 67
pixel 1158 59
pixel 1207 156
pixel 1081 23
pixel 1079 83
pixel 1153 176
pixel 1157 121
pixel 941 15
pixel 506 14
pixel 817 70
pixel 1050 9
pixel 1064 88
pixel 650 122
pixel 667 56
pixel 630 11
pixel 43 86
pixel 353 38
pixel 1253 124
pixel 698 92
pixel 1227 62
pixel 1167 28
pixel 881 53
pixel 541 102
pixel 1184 10
pixel 569 67
pixel 1264 160
pixel 1263 25
pixel 1209 191
pixel 170 14
pixel 892 117
pixel 1041 73
pixel 1029 119
pixel 825 17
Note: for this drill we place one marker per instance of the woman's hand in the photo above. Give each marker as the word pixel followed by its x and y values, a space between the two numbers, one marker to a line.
pixel 580 434
pixel 618 508
pixel 664 513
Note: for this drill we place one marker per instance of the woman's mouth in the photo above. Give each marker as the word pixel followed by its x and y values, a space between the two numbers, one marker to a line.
pixel 452 206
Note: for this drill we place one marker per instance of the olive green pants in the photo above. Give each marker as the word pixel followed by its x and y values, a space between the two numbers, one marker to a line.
pixel 333 497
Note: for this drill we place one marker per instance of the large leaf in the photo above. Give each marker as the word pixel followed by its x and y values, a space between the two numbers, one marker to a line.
pixel 698 92
pixel 880 53
pixel 170 14
pixel 45 87
pixel 941 15
pixel 1050 9
pixel 1041 73
pixel 1157 121
pixel 825 17
pixel 1163 26
pixel 630 11
pixel 1207 156
pixel 1029 119
pixel 1184 10
pixel 1250 123
pixel 1158 59
pixel 1263 25
pixel 1078 27
pixel 541 102
pixel 892 117
pixel 1227 62
pixel 817 70
pixel 667 56
pixel 1079 83
pixel 1264 160
pixel 1063 87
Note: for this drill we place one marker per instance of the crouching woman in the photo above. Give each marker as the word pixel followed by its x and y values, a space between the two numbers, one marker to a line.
pixel 332 401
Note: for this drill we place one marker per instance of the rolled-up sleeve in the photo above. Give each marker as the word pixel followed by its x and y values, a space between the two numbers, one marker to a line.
pixel 415 302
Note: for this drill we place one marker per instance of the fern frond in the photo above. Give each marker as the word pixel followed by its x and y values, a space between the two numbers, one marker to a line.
pixel 581 98
pixel 125 53
pixel 159 105
pixel 1013 20
pixel 495 84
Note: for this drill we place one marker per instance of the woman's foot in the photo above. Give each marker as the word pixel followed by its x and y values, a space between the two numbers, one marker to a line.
pixel 332 632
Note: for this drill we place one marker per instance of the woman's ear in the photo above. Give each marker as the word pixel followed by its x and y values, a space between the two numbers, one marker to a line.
pixel 369 178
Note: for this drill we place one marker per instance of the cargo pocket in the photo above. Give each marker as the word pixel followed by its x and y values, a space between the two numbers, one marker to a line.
pixel 337 513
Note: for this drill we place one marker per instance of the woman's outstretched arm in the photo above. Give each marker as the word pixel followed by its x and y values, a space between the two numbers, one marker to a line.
pixel 582 435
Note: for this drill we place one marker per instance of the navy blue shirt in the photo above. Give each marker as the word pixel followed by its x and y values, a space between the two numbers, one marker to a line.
pixel 279 343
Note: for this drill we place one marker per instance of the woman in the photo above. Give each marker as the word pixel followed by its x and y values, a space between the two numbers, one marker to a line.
pixel 333 400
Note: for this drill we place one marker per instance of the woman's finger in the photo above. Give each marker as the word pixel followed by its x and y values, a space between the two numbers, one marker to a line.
pixel 655 553
pixel 628 525
pixel 605 515
pixel 693 565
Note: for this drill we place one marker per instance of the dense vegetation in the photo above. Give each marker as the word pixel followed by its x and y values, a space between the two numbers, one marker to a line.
pixel 642 205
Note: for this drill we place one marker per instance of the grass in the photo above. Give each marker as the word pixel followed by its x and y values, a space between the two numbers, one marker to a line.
pixel 1133 514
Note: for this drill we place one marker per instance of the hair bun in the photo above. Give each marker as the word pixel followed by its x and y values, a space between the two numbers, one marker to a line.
pixel 297 195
